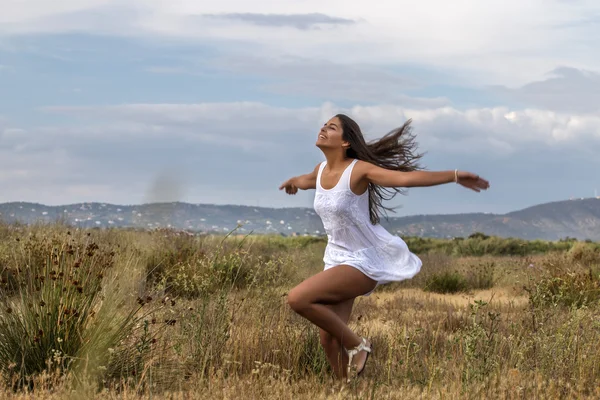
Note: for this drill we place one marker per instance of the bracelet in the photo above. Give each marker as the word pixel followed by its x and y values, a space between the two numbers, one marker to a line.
pixel 456 175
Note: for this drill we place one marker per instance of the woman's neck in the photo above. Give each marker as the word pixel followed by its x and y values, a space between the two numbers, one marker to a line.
pixel 336 159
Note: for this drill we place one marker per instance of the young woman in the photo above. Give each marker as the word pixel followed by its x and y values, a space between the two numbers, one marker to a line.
pixel 360 254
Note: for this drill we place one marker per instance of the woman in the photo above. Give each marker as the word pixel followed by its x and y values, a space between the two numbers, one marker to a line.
pixel 360 254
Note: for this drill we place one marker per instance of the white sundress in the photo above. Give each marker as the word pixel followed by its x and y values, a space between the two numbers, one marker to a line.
pixel 354 241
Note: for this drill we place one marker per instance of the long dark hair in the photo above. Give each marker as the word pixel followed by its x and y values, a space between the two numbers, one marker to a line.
pixel 396 151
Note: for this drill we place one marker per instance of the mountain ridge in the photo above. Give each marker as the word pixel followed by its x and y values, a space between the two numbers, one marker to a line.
pixel 579 218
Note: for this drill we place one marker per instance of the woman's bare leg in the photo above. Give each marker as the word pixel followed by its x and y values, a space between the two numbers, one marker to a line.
pixel 337 357
pixel 332 286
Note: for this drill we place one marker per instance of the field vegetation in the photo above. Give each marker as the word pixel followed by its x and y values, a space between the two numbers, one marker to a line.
pixel 168 315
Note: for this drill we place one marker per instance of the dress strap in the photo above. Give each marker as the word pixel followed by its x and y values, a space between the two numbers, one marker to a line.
pixel 348 173
pixel 321 168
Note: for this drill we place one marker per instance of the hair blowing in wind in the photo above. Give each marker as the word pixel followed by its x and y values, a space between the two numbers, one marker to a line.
pixel 396 151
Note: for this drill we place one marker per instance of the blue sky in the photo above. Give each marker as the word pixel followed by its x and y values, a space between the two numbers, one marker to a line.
pixel 219 102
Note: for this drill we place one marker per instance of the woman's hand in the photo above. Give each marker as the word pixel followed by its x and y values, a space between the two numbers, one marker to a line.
pixel 471 181
pixel 302 182
pixel 289 186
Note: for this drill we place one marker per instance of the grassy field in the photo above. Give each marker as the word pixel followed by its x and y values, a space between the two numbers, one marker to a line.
pixel 164 315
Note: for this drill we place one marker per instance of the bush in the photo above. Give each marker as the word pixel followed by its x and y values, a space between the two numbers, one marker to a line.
pixel 565 288
pixel 482 277
pixel 63 309
pixel 446 282
pixel 479 244
pixel 191 267
pixel 584 253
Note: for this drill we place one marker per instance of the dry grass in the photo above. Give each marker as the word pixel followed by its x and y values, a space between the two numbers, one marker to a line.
pixel 232 335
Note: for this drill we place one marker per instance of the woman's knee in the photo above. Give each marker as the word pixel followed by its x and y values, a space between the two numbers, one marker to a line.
pixel 297 300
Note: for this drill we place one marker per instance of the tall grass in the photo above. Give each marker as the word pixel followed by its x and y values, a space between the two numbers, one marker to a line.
pixel 65 309
pixel 112 314
pixel 482 245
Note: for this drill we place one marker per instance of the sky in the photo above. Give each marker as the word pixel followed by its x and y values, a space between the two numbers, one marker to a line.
pixel 129 102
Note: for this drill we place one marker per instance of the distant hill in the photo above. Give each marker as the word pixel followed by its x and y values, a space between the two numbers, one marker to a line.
pixel 552 221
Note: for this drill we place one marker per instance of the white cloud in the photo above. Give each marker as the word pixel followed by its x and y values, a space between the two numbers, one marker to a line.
pixel 325 79
pixel 211 152
pixel 27 11
pixel 497 42
pixel 257 125
pixel 567 90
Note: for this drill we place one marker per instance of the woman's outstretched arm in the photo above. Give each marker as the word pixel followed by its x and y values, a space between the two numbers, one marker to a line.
pixel 389 178
pixel 303 182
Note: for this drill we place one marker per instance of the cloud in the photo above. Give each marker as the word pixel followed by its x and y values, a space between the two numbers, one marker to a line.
pixel 321 80
pixel 567 90
pixel 496 42
pixel 215 152
pixel 259 125
pixel 244 125
pixel 298 21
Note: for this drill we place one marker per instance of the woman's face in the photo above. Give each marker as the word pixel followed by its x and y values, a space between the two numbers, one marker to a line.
pixel 331 135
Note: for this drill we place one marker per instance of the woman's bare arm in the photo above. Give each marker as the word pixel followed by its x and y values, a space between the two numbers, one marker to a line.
pixel 303 182
pixel 390 178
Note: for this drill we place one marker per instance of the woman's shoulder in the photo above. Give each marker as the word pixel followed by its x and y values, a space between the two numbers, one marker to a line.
pixel 362 167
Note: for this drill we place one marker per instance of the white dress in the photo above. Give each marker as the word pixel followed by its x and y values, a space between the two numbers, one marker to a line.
pixel 354 241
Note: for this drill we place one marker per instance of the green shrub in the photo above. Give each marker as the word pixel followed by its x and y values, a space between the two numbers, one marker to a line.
pixel 446 282
pixel 587 254
pixel 63 309
pixel 482 276
pixel 479 244
pixel 565 288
